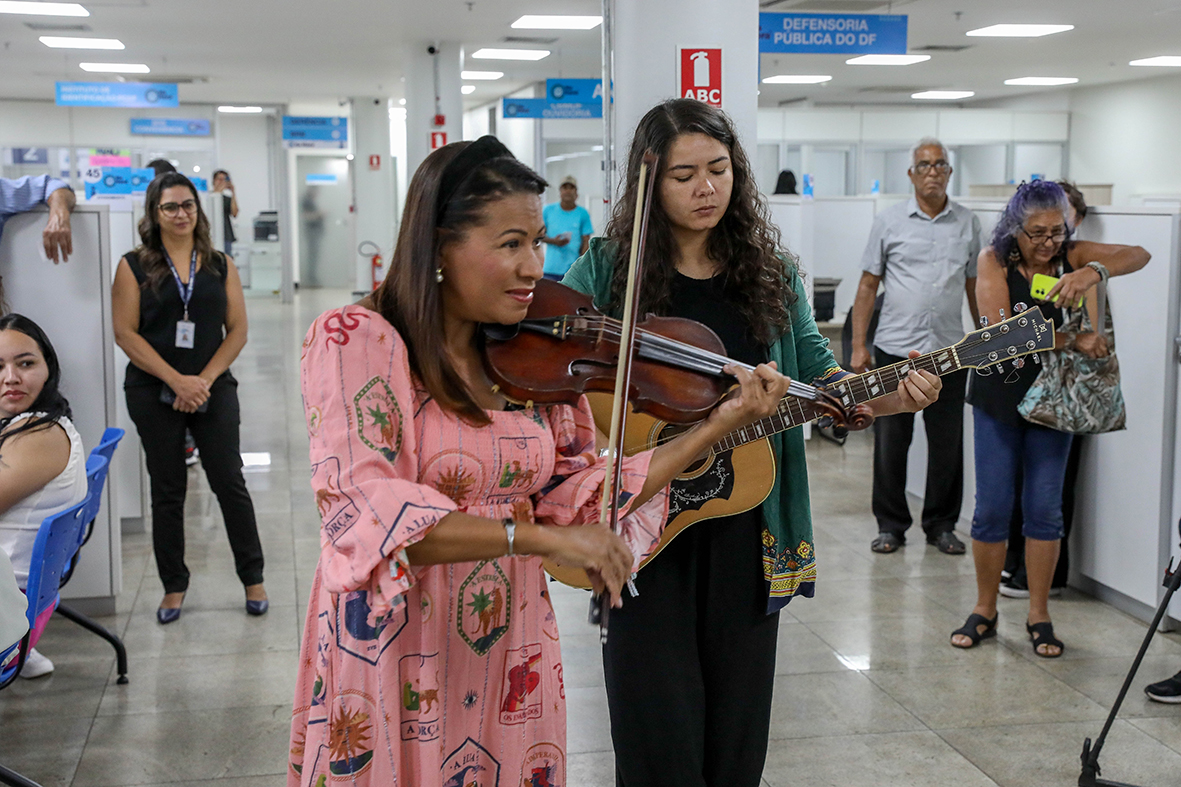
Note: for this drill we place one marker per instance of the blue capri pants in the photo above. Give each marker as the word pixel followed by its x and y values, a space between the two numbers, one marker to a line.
pixel 1003 451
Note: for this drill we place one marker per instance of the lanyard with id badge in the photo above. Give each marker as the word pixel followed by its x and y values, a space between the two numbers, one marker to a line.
pixel 186 331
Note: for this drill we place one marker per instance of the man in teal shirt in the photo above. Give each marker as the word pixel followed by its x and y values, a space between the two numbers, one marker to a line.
pixel 567 230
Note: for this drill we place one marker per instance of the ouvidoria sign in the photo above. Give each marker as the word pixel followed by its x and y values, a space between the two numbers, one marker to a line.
pixel 828 34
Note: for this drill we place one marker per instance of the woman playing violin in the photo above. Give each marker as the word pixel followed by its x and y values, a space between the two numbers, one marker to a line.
pixel 430 652
pixel 690 661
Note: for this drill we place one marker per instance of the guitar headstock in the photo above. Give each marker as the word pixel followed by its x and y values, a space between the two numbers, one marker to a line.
pixel 1022 334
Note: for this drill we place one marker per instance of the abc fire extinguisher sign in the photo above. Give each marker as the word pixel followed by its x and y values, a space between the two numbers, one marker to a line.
pixel 700 74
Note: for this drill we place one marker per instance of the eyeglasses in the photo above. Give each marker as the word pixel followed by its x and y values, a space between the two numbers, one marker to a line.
pixel 173 209
pixel 1039 238
pixel 923 167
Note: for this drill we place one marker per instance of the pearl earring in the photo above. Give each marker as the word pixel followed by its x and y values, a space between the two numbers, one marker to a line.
pixel 439 275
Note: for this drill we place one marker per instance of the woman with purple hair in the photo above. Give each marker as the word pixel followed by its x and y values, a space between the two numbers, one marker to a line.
pixel 1032 236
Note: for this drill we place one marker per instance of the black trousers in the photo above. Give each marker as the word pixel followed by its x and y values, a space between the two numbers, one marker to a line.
pixel 944 422
pixel 162 432
pixel 690 663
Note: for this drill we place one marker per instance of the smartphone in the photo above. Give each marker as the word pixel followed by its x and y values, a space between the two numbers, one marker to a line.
pixel 1042 284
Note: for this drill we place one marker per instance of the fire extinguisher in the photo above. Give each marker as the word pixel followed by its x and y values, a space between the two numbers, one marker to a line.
pixel 373 252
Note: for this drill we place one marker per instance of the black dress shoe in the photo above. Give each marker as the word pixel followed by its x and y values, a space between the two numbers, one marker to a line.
pixel 257 607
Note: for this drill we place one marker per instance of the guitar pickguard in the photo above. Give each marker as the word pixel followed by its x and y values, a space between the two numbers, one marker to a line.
pixel 690 494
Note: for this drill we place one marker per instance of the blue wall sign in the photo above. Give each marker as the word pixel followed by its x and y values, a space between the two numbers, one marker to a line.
pixel 30 156
pixel 315 132
pixel 116 94
pixel 829 34
pixel 542 109
pixel 108 182
pixel 574 91
pixel 140 178
pixel 320 179
pixel 170 127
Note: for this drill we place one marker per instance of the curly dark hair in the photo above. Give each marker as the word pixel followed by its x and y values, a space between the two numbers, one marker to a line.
pixel 1030 198
pixel 744 241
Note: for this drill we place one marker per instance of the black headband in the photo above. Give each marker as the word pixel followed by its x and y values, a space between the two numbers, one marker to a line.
pixel 482 150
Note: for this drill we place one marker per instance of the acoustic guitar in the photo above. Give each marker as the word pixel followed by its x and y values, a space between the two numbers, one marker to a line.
pixel 738 472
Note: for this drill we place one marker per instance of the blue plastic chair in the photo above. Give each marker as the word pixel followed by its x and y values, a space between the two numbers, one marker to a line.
pixel 97 466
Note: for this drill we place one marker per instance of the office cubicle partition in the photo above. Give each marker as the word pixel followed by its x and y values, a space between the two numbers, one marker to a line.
pixel 72 302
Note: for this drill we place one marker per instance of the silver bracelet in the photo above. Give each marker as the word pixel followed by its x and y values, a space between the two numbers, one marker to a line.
pixel 510 531
pixel 1101 269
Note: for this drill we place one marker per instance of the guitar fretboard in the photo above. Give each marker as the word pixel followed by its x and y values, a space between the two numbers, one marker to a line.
pixel 851 391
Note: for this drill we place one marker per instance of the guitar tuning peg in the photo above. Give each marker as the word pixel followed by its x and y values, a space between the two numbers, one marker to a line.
pixel 1002 315
pixel 983 321
pixel 1037 359
pixel 1019 307
pixel 1000 368
pixel 1019 363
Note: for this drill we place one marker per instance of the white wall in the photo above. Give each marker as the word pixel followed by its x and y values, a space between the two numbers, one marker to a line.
pixel 1126 134
pixel 243 151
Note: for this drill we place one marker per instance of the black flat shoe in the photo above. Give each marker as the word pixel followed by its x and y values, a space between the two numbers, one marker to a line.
pixel 1043 634
pixel 887 542
pixel 257 607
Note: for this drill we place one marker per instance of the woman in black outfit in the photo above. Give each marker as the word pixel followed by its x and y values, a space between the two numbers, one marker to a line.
pixel 180 316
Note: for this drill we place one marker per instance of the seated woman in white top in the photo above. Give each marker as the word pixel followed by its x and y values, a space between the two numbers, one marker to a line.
pixel 42 463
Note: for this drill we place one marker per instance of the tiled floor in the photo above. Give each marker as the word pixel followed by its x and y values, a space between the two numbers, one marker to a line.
pixel 868 688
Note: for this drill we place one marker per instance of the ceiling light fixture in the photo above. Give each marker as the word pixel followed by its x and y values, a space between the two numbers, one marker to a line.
pixel 557 22
pixel 115 68
pixel 42 9
pixel 797 79
pixel 942 95
pixel 467 90
pixel 887 60
pixel 401 102
pixel 472 76
pixel 1042 81
pixel 510 54
pixel 1019 31
pixel 68 42
pixel 1163 60
pixel 231 110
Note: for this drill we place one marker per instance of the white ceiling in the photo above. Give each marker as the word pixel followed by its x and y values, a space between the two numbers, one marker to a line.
pixel 271 51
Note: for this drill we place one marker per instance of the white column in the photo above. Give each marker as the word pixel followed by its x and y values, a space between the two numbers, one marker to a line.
pixel 432 88
pixel 647 36
pixel 373 183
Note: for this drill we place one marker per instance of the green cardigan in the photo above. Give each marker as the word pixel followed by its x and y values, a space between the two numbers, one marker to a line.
pixel 789 558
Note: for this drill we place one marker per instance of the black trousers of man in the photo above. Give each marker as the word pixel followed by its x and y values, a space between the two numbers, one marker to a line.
pixel 944 422
pixel 690 662
pixel 162 432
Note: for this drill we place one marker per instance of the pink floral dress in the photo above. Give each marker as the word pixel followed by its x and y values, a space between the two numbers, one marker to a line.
pixel 447 675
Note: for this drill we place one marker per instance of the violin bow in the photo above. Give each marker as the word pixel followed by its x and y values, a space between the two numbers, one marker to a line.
pixel 609 512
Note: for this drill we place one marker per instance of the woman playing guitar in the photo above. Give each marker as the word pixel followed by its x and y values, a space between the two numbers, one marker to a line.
pixel 690 661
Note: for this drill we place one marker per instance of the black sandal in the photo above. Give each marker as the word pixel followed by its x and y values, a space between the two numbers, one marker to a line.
pixel 1043 634
pixel 887 542
pixel 970 630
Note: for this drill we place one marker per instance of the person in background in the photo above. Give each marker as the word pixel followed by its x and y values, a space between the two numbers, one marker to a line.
pixel 180 315
pixel 222 185
pixel 786 183
pixel 1014 582
pixel 24 194
pixel 161 166
pixel 924 252
pixel 44 467
pixel 567 228
pixel 1031 237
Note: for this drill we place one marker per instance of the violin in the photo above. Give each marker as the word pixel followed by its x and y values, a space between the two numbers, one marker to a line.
pixel 565 348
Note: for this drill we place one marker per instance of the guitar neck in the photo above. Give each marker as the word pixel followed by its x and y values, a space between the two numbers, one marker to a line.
pixel 851 391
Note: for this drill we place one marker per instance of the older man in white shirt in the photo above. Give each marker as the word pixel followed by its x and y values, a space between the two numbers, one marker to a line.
pixel 924 251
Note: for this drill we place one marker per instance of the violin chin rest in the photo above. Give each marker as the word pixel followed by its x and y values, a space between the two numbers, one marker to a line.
pixel 500 333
